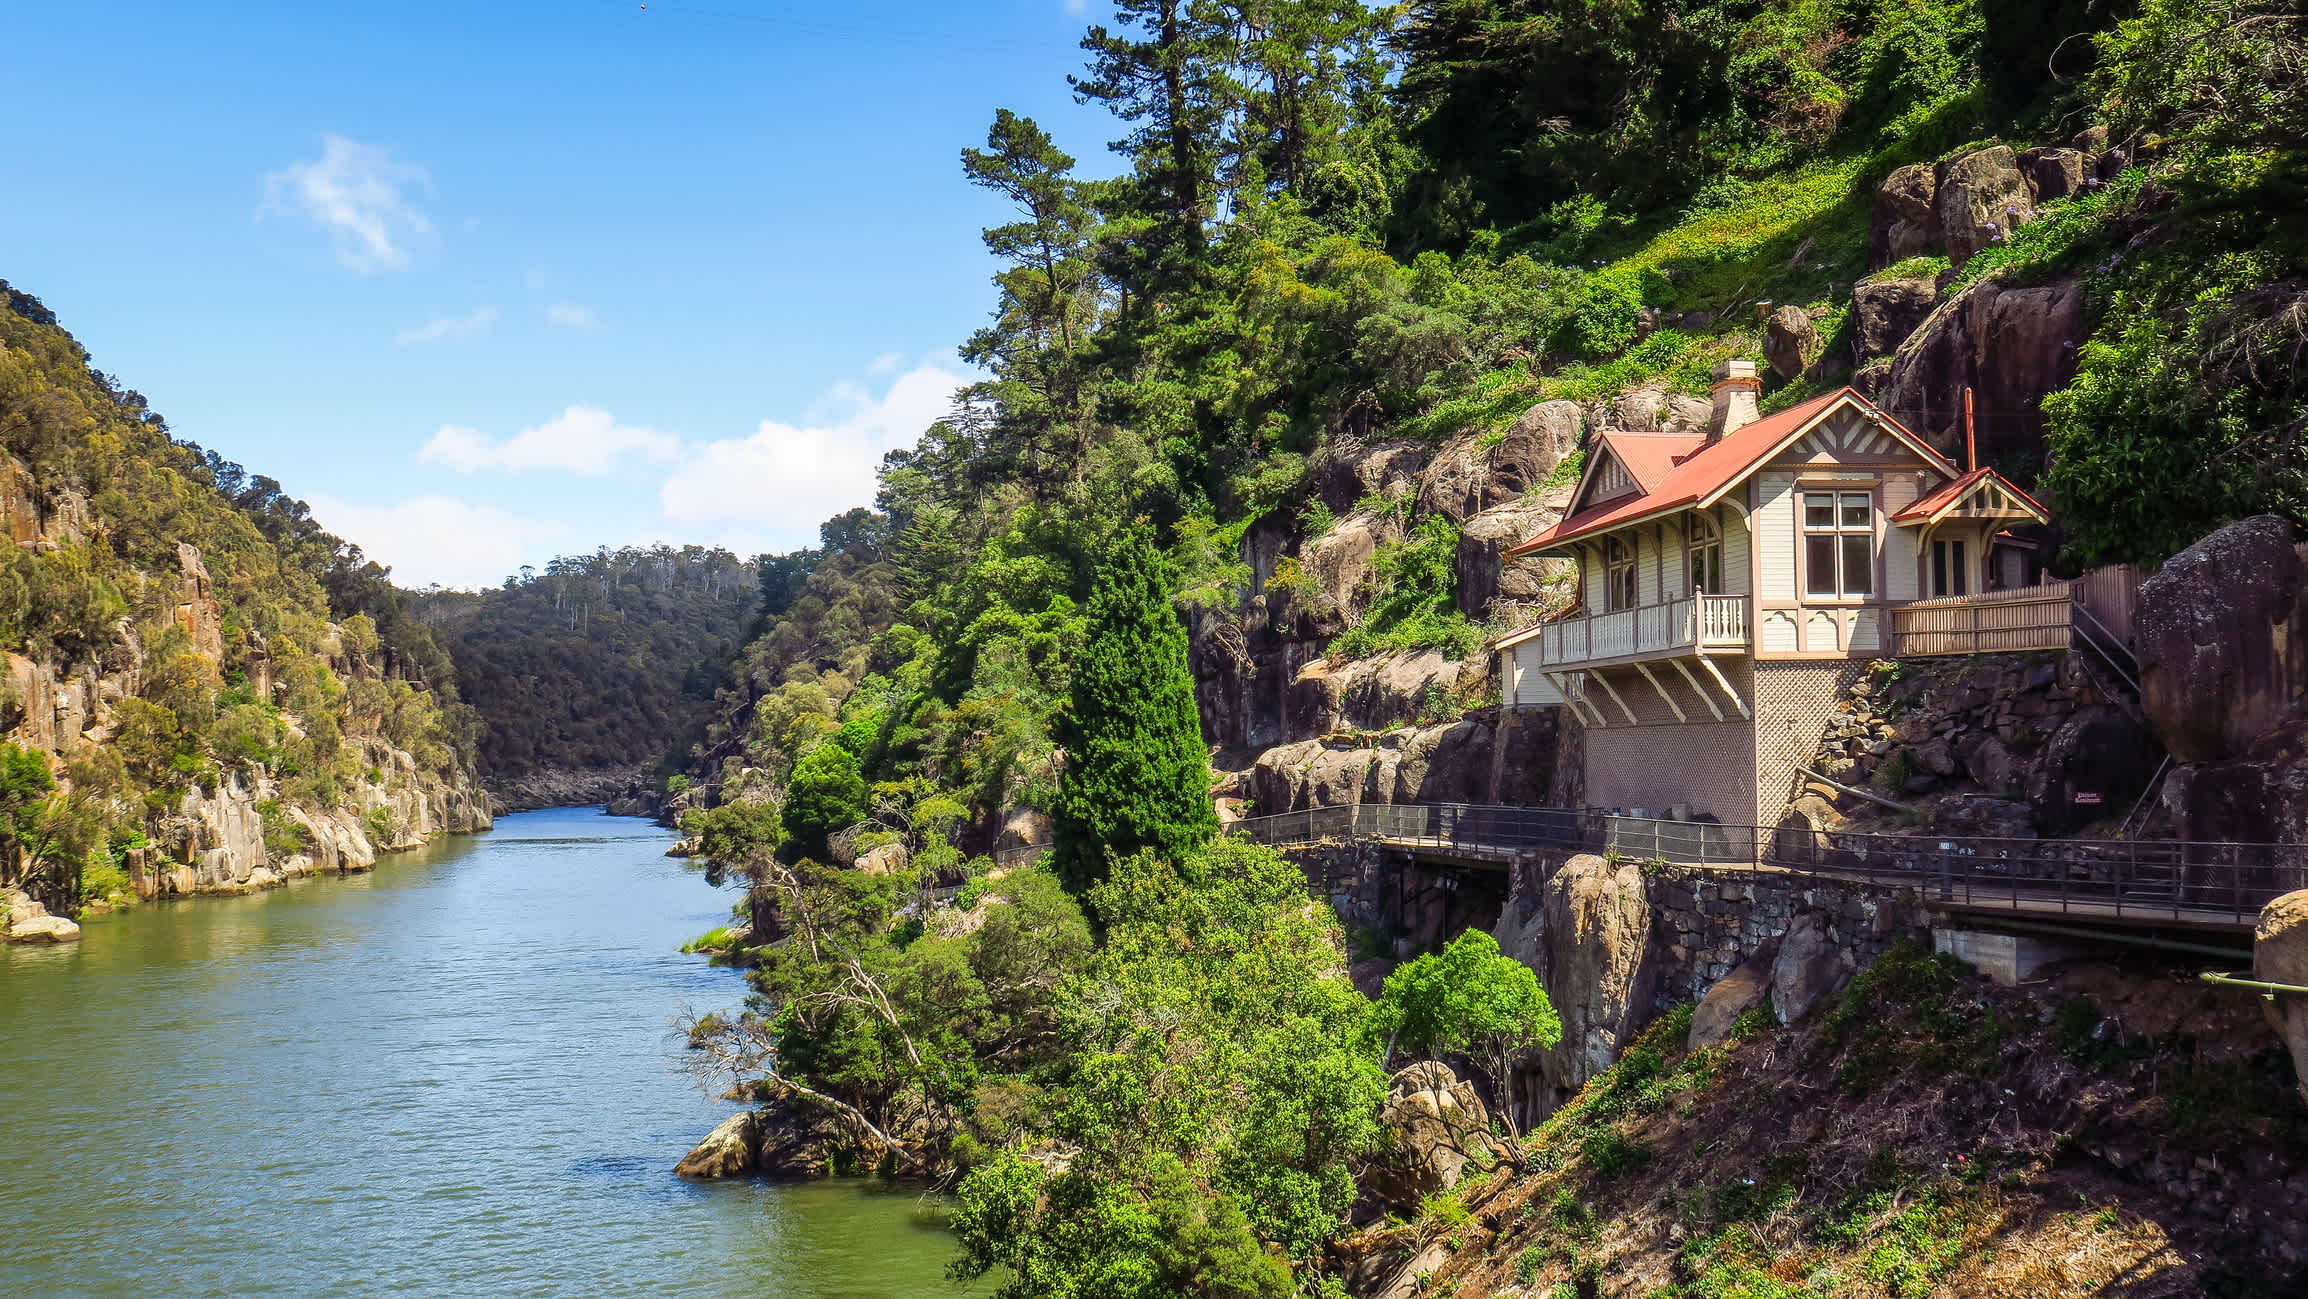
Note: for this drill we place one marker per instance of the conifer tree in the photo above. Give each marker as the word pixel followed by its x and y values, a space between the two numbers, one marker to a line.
pixel 1137 775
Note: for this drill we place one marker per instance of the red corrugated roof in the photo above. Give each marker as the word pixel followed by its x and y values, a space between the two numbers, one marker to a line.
pixel 1695 477
pixel 1953 492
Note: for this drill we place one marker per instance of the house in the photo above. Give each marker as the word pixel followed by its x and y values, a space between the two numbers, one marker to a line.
pixel 1734 581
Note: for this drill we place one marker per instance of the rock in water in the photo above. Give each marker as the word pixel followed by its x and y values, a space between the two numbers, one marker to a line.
pixel 44 929
pixel 2280 955
pixel 1439 1126
pixel 730 1150
pixel 1808 968
pixel 1733 995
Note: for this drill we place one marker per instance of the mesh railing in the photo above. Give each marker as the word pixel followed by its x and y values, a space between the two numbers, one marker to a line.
pixel 2182 881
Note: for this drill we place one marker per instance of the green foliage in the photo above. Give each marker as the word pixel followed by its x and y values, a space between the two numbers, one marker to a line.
pixel 1215 1095
pixel 284 837
pixel 1413 603
pixel 827 795
pixel 1136 773
pixel 647 627
pixel 736 834
pixel 1470 1000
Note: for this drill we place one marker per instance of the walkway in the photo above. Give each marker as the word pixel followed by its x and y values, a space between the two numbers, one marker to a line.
pixel 2214 886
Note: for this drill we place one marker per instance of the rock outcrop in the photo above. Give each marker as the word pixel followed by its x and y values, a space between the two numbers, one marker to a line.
pixel 2280 955
pixel 1981 198
pixel 1489 756
pixel 24 920
pixel 1438 1126
pixel 1906 216
pixel 1888 311
pixel 2012 346
pixel 627 787
pixel 1596 930
pixel 2221 634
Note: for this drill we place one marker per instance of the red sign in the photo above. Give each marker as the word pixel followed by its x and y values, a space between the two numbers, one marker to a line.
pixel 2086 798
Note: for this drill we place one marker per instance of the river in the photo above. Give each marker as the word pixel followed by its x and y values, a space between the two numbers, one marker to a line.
pixel 447 1077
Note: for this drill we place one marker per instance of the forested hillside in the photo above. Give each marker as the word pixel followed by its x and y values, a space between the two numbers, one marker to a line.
pixel 601 661
pixel 1337 338
pixel 204 690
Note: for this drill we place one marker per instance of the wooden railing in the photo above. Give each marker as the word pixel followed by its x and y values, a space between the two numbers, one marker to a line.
pixel 2020 619
pixel 1701 622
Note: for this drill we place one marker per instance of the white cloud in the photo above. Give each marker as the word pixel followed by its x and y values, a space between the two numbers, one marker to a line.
pixel 433 331
pixel 439 539
pixel 572 316
pixel 584 440
pixel 785 477
pixel 886 363
pixel 354 191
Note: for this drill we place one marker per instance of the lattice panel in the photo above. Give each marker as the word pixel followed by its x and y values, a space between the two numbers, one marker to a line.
pixel 1704 766
pixel 1793 702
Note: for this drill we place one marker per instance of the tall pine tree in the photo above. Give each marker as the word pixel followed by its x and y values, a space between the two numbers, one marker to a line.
pixel 1137 775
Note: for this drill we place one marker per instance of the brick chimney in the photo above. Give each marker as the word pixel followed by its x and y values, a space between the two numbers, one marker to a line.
pixel 1734 392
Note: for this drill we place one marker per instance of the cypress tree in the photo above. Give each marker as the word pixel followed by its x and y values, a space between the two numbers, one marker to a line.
pixel 1136 775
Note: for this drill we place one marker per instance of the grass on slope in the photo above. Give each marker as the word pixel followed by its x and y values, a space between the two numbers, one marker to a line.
pixel 1924 1134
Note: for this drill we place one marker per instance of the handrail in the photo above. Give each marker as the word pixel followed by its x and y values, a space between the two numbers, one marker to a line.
pixel 2178 881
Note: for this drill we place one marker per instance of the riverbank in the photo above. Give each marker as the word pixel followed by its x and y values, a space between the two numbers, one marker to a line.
pixel 445 1075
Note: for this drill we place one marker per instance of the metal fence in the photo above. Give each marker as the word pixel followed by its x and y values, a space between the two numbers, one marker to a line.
pixel 2223 884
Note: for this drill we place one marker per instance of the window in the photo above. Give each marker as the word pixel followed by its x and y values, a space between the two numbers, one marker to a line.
pixel 1704 538
pixel 1618 574
pixel 1949 574
pixel 1839 544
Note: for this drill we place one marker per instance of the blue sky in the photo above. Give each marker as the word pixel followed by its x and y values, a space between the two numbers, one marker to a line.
pixel 490 282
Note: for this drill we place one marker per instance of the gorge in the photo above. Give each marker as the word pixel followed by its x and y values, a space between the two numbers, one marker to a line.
pixel 1173 841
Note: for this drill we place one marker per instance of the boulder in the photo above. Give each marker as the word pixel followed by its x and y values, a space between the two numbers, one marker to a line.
pixel 1346 473
pixel 1443 764
pixel 732 1149
pixel 1790 342
pixel 2280 955
pixel 1595 923
pixel 1438 1126
pixel 2011 346
pixel 1486 574
pixel 1640 409
pixel 1474 474
pixel 1808 967
pixel 1023 827
pixel 2053 173
pixel 1339 559
pixel 1906 218
pixel 1988 761
pixel 1887 311
pixel 44 929
pixel 888 859
pixel 1980 197
pixel 1869 380
pixel 1731 996
pixel 2222 640
pixel 1685 414
pixel 2260 796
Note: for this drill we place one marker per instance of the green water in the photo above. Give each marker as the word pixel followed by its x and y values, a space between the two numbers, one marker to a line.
pixel 446 1078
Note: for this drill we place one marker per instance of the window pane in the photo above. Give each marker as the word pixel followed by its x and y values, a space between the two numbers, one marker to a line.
pixel 1856 510
pixel 1819 565
pixel 1962 570
pixel 1858 565
pixel 1939 568
pixel 1818 510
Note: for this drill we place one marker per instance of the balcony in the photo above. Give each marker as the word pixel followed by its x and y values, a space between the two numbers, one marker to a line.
pixel 1690 626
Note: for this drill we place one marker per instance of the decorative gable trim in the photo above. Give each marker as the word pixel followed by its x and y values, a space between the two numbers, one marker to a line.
pixel 1869 417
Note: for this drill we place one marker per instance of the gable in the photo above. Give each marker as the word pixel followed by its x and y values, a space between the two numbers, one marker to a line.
pixel 1611 479
pixel 1846 435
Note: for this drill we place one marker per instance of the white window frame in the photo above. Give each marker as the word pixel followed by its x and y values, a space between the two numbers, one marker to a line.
pixel 1702 551
pixel 1841 533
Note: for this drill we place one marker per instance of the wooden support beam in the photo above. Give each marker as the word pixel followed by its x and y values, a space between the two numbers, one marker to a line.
pixel 1698 689
pixel 1605 683
pixel 1586 709
pixel 1736 701
pixel 1657 685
